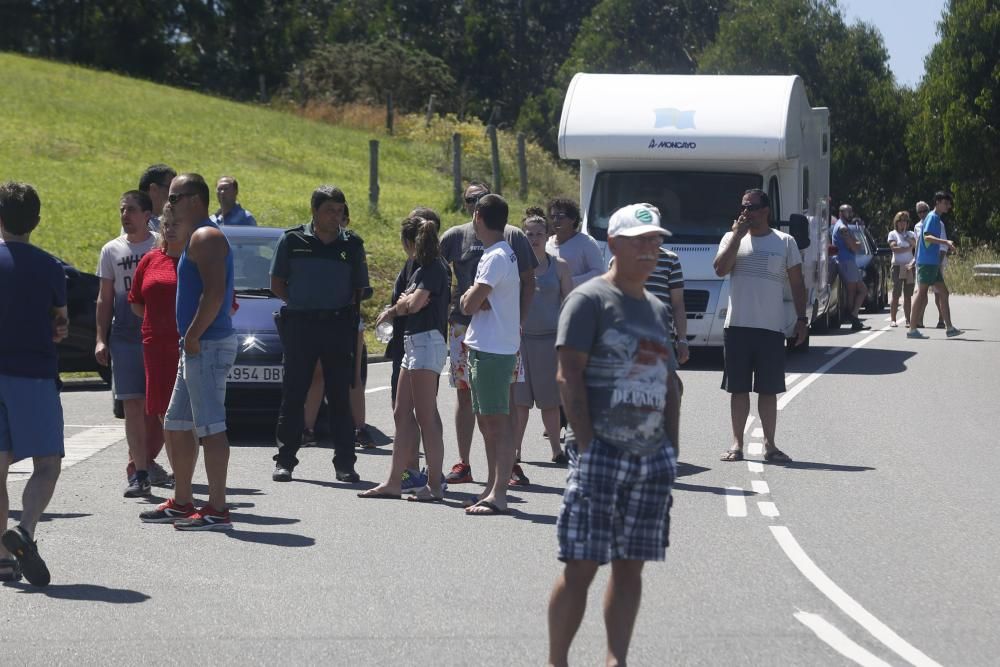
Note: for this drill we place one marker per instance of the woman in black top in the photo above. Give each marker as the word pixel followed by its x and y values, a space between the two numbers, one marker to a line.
pixel 424 302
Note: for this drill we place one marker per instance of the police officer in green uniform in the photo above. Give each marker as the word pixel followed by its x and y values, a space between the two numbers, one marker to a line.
pixel 319 271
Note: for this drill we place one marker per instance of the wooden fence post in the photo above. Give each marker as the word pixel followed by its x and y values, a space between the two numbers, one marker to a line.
pixel 373 188
pixel 491 130
pixel 456 168
pixel 263 88
pixel 522 167
pixel 388 112
pixel 430 109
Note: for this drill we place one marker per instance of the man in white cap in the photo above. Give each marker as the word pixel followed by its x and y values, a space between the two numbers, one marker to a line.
pixel 616 376
pixel 760 261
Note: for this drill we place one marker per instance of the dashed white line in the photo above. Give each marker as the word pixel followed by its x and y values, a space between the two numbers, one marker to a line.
pixel 846 603
pixel 760 487
pixel 791 378
pixel 768 508
pixel 78 447
pixel 374 389
pixel 736 502
pixel 755 448
pixel 755 466
pixel 832 350
pixel 758 433
pixel 838 641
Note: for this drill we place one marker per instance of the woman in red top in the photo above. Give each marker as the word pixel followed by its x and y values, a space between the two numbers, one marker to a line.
pixel 153 298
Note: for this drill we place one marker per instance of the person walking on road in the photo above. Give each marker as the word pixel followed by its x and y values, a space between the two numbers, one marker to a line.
pixel 33 318
pixel 760 261
pixel 553 283
pixel 320 272
pixel 847 266
pixel 902 242
pixel 493 339
pixel 929 255
pixel 616 376
pixel 424 304
pixel 197 409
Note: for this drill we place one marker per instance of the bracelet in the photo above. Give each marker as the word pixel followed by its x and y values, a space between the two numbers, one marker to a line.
pixel 682 342
pixel 803 318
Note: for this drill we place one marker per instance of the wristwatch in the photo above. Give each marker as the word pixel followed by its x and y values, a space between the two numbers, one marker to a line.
pixel 803 318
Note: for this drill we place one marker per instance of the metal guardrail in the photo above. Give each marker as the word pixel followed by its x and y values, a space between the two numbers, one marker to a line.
pixel 986 271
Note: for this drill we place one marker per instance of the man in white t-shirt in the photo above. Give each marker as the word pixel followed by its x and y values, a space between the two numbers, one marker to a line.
pixel 493 339
pixel 760 261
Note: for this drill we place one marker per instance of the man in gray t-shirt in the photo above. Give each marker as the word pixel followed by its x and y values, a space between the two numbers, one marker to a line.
pixel 616 378
pixel 462 251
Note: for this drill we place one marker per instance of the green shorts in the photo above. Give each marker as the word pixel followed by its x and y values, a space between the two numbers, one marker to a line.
pixel 489 378
pixel 929 274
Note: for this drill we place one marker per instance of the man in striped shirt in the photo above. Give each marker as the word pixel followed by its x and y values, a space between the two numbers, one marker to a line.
pixel 667 284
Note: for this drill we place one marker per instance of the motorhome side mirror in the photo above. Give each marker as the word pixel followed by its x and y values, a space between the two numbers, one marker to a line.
pixel 798 227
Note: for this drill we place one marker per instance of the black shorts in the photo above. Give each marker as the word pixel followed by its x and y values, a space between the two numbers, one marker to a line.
pixel 754 361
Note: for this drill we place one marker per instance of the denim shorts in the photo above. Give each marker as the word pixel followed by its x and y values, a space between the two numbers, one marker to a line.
pixel 128 371
pixel 849 271
pixel 424 351
pixel 31 417
pixel 616 505
pixel 199 399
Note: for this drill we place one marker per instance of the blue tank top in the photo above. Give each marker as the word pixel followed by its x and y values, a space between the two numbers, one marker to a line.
pixel 189 291
pixel 843 250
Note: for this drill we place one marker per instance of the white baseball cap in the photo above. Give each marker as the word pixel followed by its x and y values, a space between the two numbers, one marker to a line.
pixel 636 220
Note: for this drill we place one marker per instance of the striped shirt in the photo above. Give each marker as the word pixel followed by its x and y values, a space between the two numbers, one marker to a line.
pixel 665 277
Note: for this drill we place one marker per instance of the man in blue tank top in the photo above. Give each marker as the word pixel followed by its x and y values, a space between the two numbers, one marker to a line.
pixel 197 409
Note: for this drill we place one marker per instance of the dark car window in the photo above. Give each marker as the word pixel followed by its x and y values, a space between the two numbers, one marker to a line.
pixel 865 248
pixel 252 262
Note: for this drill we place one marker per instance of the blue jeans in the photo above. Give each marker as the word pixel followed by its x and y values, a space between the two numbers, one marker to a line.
pixel 199 398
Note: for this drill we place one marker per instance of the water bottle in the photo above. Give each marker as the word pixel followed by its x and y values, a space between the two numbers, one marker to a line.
pixel 383 332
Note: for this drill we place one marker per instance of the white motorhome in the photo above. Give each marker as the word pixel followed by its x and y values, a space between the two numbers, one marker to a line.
pixel 691 145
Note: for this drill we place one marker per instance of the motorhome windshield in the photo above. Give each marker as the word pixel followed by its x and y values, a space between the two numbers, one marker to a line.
pixel 697 207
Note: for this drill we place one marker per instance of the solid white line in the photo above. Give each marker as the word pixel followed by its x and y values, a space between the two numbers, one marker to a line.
pixel 78 447
pixel 846 603
pixel 736 502
pixel 838 641
pixel 746 429
pixel 755 466
pixel 120 425
pixel 798 388
pixel 755 448
pixel 791 378
pixel 832 350
pixel 759 486
pixel 374 389
pixel 758 433
pixel 768 508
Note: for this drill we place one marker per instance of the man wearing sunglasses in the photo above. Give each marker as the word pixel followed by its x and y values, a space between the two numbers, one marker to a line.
pixel 759 261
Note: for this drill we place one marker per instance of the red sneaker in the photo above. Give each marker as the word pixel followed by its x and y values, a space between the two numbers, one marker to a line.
pixel 207 518
pixel 461 473
pixel 518 478
pixel 167 512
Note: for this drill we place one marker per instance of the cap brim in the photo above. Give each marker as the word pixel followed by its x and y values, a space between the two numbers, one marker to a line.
pixel 643 229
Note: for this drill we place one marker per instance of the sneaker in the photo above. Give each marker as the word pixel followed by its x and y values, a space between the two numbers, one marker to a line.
pixel 348 475
pixel 893 324
pixel 413 480
pixel 940 325
pixel 518 478
pixel 158 476
pixel 167 512
pixel 309 437
pixel 25 550
pixel 461 473
pixel 858 325
pixel 281 473
pixel 913 333
pixel 907 325
pixel 363 439
pixel 138 486
pixel 207 518
pixel 954 331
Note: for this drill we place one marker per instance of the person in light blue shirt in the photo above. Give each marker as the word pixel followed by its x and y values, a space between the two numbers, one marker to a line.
pixel 929 244
pixel 230 212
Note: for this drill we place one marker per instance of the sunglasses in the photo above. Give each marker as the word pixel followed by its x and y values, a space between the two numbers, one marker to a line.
pixel 473 200
pixel 752 207
pixel 177 196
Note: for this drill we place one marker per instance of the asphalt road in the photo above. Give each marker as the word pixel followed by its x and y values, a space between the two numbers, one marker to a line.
pixel 877 546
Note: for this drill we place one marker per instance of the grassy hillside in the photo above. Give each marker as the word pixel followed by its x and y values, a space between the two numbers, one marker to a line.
pixel 83 137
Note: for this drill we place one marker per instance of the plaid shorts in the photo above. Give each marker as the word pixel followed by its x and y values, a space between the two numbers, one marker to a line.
pixel 616 505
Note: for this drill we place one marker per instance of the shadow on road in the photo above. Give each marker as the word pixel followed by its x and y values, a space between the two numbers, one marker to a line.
pixel 863 361
pixel 84 592
pixel 79 386
pixel 272 539
pixel 16 516
pixel 203 489
pixel 688 469
pixel 717 490
pixel 826 467
pixel 260 520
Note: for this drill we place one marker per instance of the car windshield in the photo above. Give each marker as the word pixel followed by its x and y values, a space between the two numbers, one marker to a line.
pixel 697 207
pixel 859 235
pixel 252 262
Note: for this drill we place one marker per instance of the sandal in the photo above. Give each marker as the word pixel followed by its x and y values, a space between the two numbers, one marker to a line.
pixel 10 570
pixel 732 455
pixel 424 495
pixel 560 458
pixel 777 456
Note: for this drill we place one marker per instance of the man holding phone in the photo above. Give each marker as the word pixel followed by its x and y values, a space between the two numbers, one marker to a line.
pixel 759 260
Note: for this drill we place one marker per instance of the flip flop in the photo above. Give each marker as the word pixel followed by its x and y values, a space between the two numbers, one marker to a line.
pixel 381 495
pixel 493 509
pixel 777 456
pixel 17 541
pixel 415 498
pixel 731 455
pixel 470 503
pixel 13 572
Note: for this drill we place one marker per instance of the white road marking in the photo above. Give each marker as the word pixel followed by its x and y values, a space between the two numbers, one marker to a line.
pixel 838 641
pixel 846 603
pixel 768 508
pixel 798 388
pixel 78 447
pixel 832 350
pixel 758 433
pixel 374 389
pixel 755 466
pixel 119 425
pixel 755 448
pixel 791 378
pixel 736 502
pixel 760 487
pixel 746 429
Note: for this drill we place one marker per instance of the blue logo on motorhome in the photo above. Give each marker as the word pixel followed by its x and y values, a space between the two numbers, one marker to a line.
pixel 676 118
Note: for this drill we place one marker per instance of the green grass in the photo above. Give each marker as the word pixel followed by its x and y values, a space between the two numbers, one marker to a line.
pixel 83 137
pixel 959 272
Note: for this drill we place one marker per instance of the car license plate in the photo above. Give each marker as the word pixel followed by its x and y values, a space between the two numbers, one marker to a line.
pixel 263 374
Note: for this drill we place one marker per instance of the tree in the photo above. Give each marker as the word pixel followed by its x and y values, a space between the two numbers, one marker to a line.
pixel 954 138
pixel 844 68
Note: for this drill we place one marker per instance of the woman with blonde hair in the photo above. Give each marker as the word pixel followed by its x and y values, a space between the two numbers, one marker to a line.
pixel 903 243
